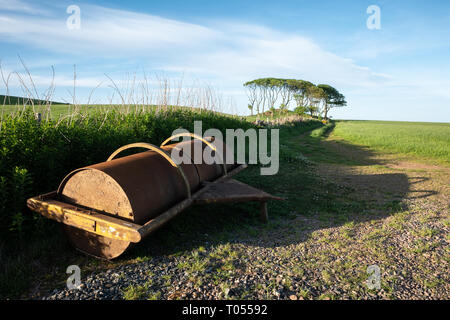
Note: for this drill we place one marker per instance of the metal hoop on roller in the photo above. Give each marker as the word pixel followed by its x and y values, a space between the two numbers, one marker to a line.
pixel 209 144
pixel 157 150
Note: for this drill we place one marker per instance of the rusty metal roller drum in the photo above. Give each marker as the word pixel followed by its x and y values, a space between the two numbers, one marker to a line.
pixel 206 172
pixel 136 187
pixel 106 207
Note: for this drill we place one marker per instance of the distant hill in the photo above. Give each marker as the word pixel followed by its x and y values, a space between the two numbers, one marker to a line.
pixel 12 100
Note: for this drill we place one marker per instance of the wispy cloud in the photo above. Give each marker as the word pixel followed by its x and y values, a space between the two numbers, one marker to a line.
pixel 233 52
pixel 21 6
pixel 104 32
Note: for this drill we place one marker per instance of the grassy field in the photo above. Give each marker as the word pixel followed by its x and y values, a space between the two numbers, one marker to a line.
pixel 429 141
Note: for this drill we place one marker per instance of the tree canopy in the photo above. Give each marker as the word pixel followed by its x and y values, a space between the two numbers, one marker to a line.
pixel 264 93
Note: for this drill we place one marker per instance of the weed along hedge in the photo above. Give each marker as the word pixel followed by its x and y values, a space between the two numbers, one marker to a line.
pixel 36 156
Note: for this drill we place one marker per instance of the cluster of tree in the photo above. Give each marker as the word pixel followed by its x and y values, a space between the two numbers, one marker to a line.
pixel 316 100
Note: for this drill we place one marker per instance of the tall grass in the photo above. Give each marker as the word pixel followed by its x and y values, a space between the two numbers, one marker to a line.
pixel 133 94
pixel 35 156
pixel 41 142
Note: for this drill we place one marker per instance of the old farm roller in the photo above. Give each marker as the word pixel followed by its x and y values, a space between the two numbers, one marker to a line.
pixel 106 207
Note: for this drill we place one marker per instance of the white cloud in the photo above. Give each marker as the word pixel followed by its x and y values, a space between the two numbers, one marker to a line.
pixel 15 5
pixel 103 32
pixel 234 52
pixel 21 6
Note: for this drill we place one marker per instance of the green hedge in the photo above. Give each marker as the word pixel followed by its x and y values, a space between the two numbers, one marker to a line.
pixel 34 157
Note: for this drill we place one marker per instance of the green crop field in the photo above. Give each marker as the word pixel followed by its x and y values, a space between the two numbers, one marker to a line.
pixel 430 141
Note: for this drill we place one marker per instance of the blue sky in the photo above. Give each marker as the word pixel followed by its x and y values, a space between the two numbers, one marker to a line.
pixel 399 72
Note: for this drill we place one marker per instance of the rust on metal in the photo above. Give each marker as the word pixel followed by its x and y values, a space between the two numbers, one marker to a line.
pixel 263 214
pixel 136 187
pixel 159 151
pixel 205 141
pixel 232 190
pixel 205 172
pixel 107 207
